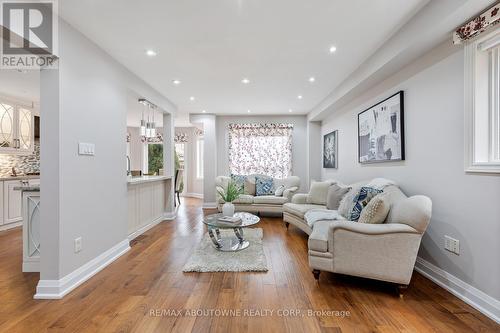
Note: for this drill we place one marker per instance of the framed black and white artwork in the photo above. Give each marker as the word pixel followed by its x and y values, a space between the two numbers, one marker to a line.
pixel 381 131
pixel 330 147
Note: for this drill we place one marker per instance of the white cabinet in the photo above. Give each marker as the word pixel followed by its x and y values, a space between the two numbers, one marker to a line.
pixel 16 128
pixel 12 202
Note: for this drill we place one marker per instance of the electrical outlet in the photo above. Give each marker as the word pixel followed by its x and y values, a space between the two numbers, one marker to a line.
pixel 452 244
pixel 78 244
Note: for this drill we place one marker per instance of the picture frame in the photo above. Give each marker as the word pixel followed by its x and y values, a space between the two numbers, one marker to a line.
pixel 381 131
pixel 330 150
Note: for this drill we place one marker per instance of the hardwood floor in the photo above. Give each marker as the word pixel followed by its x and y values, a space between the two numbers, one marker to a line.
pixel 130 294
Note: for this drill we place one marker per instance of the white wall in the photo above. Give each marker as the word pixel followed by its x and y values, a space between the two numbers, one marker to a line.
pixel 299 143
pixel 84 196
pixel 465 206
pixel 136 148
pixel 208 121
pixel 193 185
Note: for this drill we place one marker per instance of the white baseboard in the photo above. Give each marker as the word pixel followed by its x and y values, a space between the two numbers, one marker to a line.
pixel 31 266
pixel 10 226
pixel 57 289
pixel 482 302
pixel 171 215
pixel 209 205
pixel 167 216
pixel 193 195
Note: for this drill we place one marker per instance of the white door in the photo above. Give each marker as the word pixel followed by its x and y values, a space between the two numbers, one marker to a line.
pixel 12 202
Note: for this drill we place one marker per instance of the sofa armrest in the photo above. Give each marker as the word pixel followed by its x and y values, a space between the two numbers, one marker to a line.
pixel 289 192
pixel 371 229
pixel 377 251
pixel 300 198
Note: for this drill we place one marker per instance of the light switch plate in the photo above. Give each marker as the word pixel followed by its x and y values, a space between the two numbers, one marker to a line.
pixel 86 149
pixel 78 244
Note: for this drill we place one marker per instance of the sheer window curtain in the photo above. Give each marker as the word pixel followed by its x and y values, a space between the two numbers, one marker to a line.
pixel 261 149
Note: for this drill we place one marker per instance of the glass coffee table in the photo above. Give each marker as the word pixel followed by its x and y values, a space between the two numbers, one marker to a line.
pixel 229 244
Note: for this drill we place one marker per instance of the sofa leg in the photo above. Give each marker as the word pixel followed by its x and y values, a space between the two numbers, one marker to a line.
pixel 287 224
pixel 316 273
pixel 401 289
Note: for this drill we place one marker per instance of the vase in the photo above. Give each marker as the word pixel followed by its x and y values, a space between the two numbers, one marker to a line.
pixel 228 209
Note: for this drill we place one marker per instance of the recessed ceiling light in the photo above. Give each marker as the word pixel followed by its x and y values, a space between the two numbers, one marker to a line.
pixel 299 97
pixel 333 49
pixel 312 79
pixel 290 110
pixel 245 81
pixel 191 98
pixel 204 111
pixel 151 53
pixel 176 82
pixel 249 111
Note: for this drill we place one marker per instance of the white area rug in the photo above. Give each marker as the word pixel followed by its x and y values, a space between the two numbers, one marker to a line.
pixel 207 259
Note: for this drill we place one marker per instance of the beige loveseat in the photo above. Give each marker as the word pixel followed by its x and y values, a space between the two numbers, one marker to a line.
pixel 249 202
pixel 384 251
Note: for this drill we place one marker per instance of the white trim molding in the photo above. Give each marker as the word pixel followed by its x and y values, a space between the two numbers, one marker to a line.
pixel 57 289
pixel 479 300
pixel 209 205
pixel 166 217
pixel 192 195
pixel 471 109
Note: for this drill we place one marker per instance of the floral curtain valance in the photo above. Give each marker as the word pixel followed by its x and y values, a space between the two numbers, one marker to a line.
pixel 477 25
pixel 180 137
pixel 157 139
pixel 261 148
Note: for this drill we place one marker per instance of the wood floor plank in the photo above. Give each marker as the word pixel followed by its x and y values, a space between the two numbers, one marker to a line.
pixel 146 291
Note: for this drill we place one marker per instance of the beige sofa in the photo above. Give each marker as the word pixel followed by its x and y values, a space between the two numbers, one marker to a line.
pixel 248 202
pixel 384 251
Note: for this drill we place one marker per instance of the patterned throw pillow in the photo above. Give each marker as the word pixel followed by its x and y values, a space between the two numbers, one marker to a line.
pixel 361 200
pixel 239 180
pixel 264 186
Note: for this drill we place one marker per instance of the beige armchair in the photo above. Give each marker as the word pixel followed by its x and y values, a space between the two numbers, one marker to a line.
pixel 377 251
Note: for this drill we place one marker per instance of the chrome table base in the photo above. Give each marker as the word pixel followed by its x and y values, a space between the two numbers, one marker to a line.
pixel 228 244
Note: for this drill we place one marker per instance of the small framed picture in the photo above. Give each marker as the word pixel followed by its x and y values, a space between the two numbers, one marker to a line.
pixel 330 150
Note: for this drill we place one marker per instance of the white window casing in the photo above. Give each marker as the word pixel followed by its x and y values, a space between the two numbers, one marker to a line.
pixel 481 103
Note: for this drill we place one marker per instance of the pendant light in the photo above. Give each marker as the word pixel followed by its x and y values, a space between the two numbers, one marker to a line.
pixel 148 124
pixel 143 122
pixel 153 124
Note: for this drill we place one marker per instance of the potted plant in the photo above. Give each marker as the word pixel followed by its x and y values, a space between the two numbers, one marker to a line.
pixel 232 193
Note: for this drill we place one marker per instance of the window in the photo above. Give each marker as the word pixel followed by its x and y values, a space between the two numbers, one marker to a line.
pixel 199 158
pixel 261 148
pixel 155 157
pixel 482 100
pixel 179 156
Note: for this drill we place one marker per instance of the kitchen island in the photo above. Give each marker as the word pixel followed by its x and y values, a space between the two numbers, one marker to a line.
pixel 150 201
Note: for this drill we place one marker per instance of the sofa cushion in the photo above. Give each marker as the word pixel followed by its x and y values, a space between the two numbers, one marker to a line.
pixel 249 187
pixel 269 199
pixel 244 199
pixel 239 180
pixel 300 209
pixel 263 185
pixel 361 200
pixel 335 195
pixel 376 211
pixel 347 201
pixel 318 192
pixel 279 190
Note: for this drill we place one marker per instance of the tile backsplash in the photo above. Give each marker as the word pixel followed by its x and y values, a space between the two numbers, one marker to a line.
pixel 22 163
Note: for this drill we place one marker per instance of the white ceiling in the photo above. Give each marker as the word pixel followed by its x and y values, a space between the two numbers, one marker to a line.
pixel 211 45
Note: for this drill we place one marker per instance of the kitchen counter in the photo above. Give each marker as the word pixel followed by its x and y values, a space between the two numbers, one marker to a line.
pixel 145 179
pixel 20 177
